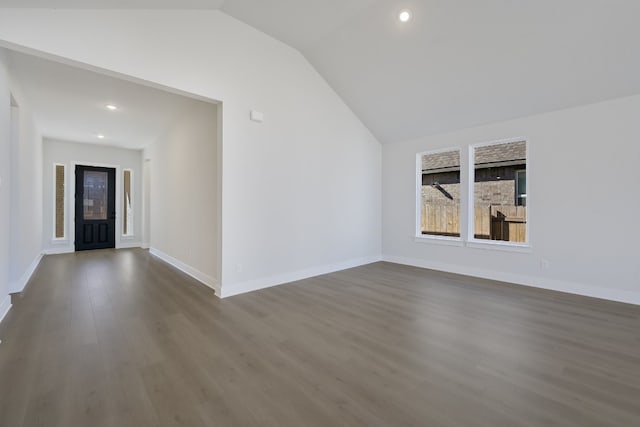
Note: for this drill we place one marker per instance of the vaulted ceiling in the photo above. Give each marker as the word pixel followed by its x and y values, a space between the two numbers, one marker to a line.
pixel 455 64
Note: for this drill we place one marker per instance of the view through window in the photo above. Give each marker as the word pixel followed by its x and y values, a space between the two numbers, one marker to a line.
pixel 500 192
pixel 440 194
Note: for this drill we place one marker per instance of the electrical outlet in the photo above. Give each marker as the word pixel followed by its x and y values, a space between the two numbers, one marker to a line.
pixel 239 268
pixel 545 264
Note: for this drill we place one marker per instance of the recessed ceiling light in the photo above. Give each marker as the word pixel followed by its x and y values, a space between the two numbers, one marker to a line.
pixel 404 16
pixel 100 136
pixel 111 107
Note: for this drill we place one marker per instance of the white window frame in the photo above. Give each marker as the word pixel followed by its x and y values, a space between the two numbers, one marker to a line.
pixel 131 233
pixel 471 241
pixel 65 231
pixel 427 238
pixel 467 205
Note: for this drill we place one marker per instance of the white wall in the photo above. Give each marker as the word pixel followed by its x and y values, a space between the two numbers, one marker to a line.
pixel 70 154
pixel 301 191
pixel 26 193
pixel 184 176
pixel 5 184
pixel 583 202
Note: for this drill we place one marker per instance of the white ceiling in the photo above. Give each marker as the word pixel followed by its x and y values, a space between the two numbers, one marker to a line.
pixel 456 64
pixel 68 103
pixel 113 4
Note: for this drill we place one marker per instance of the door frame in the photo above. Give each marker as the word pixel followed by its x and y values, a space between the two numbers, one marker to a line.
pixel 72 200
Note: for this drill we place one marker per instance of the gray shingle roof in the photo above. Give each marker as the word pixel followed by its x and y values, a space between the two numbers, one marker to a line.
pixel 501 152
pixel 441 160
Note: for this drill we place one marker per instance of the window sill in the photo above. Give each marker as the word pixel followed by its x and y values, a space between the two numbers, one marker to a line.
pixel 500 246
pixel 439 240
pixel 62 241
pixel 127 237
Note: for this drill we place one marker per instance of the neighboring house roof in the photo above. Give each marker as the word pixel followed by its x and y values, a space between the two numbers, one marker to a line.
pixel 450 159
pixel 499 153
pixel 512 153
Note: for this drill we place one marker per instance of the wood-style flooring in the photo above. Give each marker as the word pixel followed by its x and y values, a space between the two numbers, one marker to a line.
pixel 119 338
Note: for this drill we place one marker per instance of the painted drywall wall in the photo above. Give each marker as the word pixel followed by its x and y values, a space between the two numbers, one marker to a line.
pixel 26 191
pixel 5 184
pixel 70 154
pixel 300 191
pixel 184 176
pixel 583 206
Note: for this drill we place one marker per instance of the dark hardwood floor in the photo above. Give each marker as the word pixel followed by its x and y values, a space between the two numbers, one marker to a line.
pixel 118 338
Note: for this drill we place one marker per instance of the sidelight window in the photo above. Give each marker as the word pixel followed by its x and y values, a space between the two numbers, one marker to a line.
pixel 127 223
pixel 59 210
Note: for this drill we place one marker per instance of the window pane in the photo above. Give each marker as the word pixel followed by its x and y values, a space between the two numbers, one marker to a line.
pixel 500 173
pixel 95 195
pixel 521 180
pixel 440 204
pixel 59 200
pixel 127 228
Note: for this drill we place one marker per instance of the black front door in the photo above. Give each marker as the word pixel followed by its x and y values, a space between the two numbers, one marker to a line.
pixel 95 208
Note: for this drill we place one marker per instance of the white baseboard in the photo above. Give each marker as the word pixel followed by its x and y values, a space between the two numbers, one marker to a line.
pixel 60 250
pixel 628 297
pixel 267 282
pixel 195 273
pixel 5 306
pixel 19 285
pixel 127 244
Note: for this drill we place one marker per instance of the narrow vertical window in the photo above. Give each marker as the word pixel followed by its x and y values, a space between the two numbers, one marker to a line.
pixel 58 189
pixel 127 223
pixel 500 191
pixel 439 177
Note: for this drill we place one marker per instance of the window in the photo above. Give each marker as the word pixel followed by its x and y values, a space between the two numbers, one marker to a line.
pixel 96 191
pixel 127 223
pixel 500 191
pixel 439 177
pixel 490 185
pixel 58 201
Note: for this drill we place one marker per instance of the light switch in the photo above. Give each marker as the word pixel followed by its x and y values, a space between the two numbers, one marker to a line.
pixel 257 116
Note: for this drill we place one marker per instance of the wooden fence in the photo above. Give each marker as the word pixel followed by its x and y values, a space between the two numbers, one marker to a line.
pixel 508 223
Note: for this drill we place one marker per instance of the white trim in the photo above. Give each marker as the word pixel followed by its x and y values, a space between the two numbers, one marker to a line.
pixel 5 306
pixel 575 288
pixel 267 282
pixel 439 240
pixel 65 214
pixel 499 245
pixel 19 285
pixel 58 251
pixel 60 242
pixel 193 272
pixel 129 243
